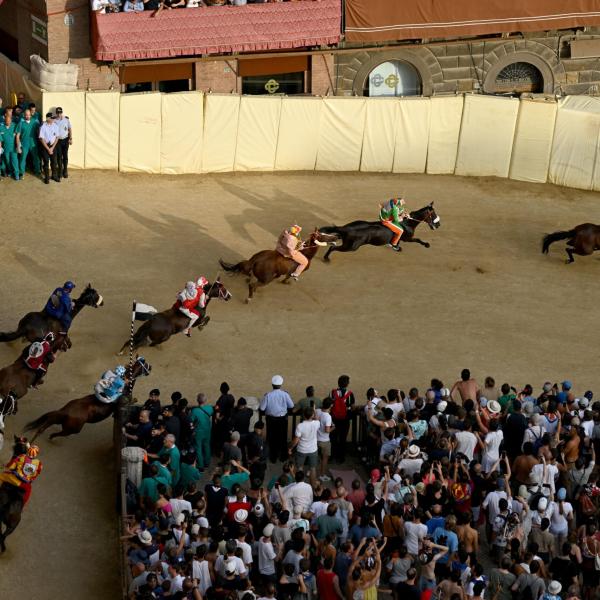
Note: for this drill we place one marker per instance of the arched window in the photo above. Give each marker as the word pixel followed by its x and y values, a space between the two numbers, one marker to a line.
pixel 393 78
pixel 519 78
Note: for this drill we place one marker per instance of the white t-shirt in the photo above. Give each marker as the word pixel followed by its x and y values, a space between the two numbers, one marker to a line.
pixel 325 420
pixel 246 552
pixel 414 533
pixel 318 509
pixel 307 432
pixel 201 572
pixel 266 557
pixel 240 569
pixel 558 522
pixel 491 502
pixel 551 474
pixel 298 494
pixel 410 466
pixel 179 505
pixel 466 442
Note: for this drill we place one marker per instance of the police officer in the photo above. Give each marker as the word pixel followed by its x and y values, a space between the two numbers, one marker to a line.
pixel 27 136
pixel 65 139
pixel 10 146
pixel 48 137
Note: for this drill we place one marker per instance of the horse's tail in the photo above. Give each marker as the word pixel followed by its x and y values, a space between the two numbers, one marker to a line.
pixel 54 417
pixel 11 336
pixel 231 268
pixel 555 237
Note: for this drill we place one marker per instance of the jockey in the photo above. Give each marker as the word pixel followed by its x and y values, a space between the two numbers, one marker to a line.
pixel 191 301
pixel 38 356
pixel 60 305
pixel 111 385
pixel 391 215
pixel 287 245
pixel 21 470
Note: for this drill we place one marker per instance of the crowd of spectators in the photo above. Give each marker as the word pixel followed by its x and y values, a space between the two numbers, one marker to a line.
pixel 468 493
pixel 115 6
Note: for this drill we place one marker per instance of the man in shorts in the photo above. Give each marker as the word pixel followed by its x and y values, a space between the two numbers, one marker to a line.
pixel 323 440
pixel 305 442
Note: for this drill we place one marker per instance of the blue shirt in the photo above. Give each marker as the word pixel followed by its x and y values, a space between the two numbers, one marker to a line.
pixel 276 403
pixel 357 533
pixel 451 542
pixel 435 523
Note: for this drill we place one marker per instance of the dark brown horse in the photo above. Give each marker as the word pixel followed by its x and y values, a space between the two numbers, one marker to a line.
pixel 161 326
pixel 267 265
pixel 582 240
pixel 35 325
pixel 76 413
pixel 17 377
pixel 11 499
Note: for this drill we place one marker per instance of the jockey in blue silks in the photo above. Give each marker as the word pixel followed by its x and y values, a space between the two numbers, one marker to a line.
pixel 60 305
pixel 111 385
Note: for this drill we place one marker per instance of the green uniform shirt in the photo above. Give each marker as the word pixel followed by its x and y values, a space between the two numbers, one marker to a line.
pixel 174 465
pixel 29 132
pixel 188 474
pixel 7 136
pixel 506 402
pixel 202 417
pixel 149 487
pixel 228 481
pixel 164 474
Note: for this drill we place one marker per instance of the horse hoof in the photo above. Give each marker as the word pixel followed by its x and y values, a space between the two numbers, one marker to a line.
pixel 247 301
pixel 427 244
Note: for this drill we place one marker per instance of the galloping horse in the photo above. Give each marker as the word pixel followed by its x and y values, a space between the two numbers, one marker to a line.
pixel 17 377
pixel 76 413
pixel 35 325
pixel 161 326
pixel 583 239
pixel 267 265
pixel 11 499
pixel 358 233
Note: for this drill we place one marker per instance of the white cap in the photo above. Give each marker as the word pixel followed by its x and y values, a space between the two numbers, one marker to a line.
pixel 240 515
pixel 277 380
pixel 258 510
pixel 542 504
pixel 203 523
pixel 445 392
pixel 180 519
pixel 441 407
pixel 195 529
pixel 268 530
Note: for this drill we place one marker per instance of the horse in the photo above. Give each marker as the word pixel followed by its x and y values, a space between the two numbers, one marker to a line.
pixel 17 377
pixel 11 499
pixel 161 326
pixel 267 265
pixel 76 413
pixel 35 325
pixel 583 239
pixel 358 233
pixel 8 407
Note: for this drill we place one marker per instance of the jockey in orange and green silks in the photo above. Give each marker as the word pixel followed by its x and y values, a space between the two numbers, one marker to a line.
pixel 22 470
pixel 391 215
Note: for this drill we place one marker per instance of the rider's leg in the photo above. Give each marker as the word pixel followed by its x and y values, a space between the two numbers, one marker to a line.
pixel 192 316
pixel 302 263
pixel 396 230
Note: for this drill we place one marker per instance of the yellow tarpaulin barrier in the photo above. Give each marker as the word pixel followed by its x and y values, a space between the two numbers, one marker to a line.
pixel 221 115
pixel 139 148
pixel 257 133
pixel 533 140
pixel 444 131
pixel 298 134
pixel 486 136
pixel 341 134
pixel 73 105
pixel 102 130
pixel 575 143
pixel 14 79
pixel 181 136
pixel 412 135
pixel 380 134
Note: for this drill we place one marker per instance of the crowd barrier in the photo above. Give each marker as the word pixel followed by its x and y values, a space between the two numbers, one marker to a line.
pixel 14 79
pixel 532 139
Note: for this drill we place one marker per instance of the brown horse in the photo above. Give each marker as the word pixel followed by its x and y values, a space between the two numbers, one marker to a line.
pixel 17 377
pixel 583 239
pixel 36 325
pixel 161 326
pixel 267 265
pixel 76 413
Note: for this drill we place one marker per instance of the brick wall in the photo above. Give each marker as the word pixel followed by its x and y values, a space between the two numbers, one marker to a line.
pixel 218 76
pixel 322 79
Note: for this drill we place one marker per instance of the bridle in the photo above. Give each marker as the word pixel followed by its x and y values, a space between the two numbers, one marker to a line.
pixel 430 221
pixel 8 405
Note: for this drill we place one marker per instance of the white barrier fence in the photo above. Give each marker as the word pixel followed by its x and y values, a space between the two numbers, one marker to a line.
pixel 535 140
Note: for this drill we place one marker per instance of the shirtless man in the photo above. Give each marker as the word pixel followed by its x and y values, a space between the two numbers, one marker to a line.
pixel 467 536
pixel 571 451
pixel 523 464
pixel 467 388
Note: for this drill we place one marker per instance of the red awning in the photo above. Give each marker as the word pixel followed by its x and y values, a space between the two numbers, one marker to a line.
pixel 383 20
pixel 216 30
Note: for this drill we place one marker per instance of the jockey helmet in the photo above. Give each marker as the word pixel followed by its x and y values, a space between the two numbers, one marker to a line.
pixel 69 285
pixel 120 371
pixel 33 451
pixel 190 287
pixel 202 281
pixel 295 229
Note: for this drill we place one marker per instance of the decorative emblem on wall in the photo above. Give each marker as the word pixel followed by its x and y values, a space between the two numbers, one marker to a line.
pixel 377 79
pixel 392 80
pixel 271 86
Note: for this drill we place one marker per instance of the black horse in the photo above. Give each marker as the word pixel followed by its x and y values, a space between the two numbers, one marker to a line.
pixel 35 325
pixel 11 499
pixel 358 233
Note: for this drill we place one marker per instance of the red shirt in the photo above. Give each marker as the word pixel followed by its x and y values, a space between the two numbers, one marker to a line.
pixel 325 585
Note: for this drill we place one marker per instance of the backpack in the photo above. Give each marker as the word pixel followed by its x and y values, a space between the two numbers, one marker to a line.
pixel 587 506
pixel 537 442
pixel 527 593
pixel 339 409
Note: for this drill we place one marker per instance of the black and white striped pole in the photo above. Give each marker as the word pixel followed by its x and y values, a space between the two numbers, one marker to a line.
pixel 130 367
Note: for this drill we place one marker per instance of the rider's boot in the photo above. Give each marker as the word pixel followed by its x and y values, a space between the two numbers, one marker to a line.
pixel 187 332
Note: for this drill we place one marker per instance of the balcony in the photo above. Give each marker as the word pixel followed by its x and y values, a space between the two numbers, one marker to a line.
pixel 215 30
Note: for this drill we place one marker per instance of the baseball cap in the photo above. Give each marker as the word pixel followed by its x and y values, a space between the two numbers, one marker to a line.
pixel 203 523
pixel 566 384
pixel 277 380
pixel 58 110
pixel 49 114
pixel 268 530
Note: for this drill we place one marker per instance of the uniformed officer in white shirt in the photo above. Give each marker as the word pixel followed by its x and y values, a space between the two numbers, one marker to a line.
pixel 65 139
pixel 48 142
pixel 275 406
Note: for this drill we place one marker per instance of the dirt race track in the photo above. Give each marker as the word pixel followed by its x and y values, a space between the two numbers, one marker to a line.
pixel 482 296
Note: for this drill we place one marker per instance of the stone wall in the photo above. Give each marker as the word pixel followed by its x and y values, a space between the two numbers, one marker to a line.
pixel 472 65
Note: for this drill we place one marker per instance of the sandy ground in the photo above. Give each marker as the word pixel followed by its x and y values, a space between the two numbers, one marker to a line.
pixel 482 296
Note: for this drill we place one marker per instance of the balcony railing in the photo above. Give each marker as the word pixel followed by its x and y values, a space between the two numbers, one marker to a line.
pixel 215 30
